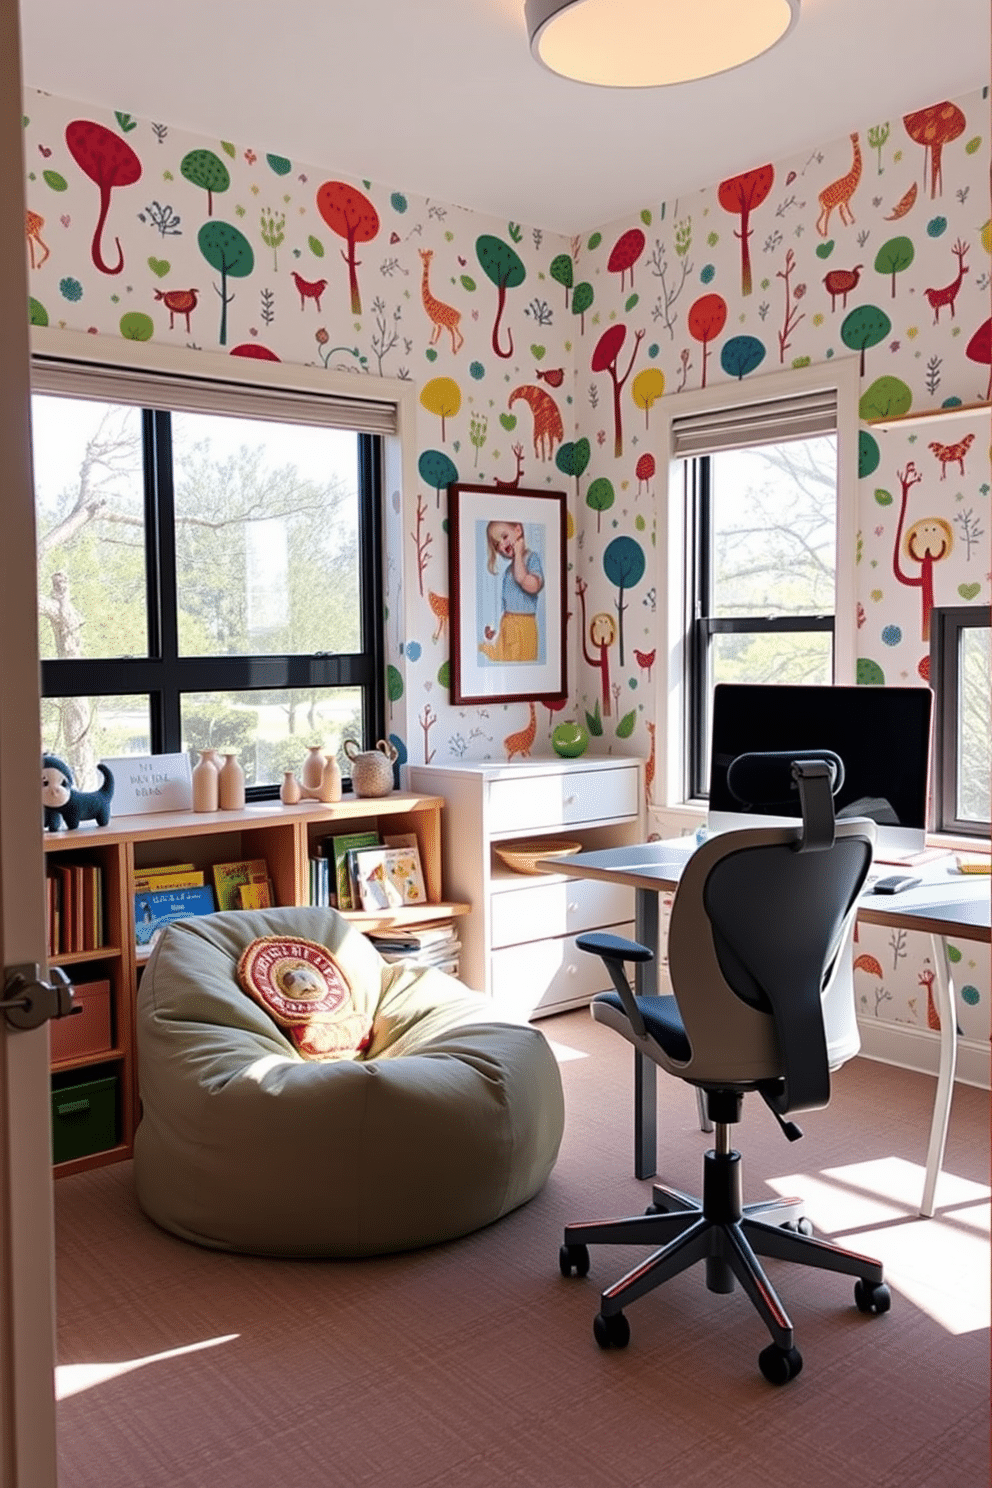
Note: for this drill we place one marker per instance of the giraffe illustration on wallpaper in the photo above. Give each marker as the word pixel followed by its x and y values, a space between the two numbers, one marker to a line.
pixel 951 454
pixel 548 427
pixel 928 541
pixel 32 227
pixel 838 194
pixel 445 317
pixel 440 608
pixel 522 741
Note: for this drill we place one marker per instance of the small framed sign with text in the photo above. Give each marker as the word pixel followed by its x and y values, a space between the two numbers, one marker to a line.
pixel 151 782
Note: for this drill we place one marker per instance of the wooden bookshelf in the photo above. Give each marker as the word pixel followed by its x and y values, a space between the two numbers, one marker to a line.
pixel 283 835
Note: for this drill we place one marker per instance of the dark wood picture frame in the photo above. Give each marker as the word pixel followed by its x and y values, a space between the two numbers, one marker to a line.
pixel 501 655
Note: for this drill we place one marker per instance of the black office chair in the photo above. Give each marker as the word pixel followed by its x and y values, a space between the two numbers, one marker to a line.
pixel 760 960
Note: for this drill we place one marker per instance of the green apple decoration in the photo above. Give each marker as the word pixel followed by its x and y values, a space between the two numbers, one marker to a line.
pixel 570 740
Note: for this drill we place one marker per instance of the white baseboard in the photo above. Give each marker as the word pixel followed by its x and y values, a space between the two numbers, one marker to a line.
pixel 919 1049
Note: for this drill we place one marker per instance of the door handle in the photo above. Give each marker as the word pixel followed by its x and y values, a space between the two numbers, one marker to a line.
pixel 27 1001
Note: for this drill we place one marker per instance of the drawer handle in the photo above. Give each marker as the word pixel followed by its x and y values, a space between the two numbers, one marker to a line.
pixel 572 906
pixel 571 970
pixel 72 1108
pixel 569 800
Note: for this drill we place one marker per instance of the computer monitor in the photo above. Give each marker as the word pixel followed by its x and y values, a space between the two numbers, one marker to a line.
pixel 881 734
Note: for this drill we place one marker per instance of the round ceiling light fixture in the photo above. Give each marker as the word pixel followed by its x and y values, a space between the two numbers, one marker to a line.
pixel 653 43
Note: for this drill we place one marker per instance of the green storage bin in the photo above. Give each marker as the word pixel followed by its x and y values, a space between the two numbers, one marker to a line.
pixel 84 1118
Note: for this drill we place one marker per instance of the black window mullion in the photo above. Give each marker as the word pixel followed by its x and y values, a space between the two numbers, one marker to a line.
pixel 166 722
pixel 699 474
pixel 372 588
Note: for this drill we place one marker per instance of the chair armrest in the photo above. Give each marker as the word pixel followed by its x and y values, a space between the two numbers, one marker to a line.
pixel 615 950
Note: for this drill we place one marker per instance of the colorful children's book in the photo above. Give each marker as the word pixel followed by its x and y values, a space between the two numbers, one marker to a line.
pixel 179 876
pixel 228 878
pixel 389 877
pixel 255 896
pixel 340 847
pixel 160 907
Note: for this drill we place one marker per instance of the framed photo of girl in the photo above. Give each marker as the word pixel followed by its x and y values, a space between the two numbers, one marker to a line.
pixel 506 553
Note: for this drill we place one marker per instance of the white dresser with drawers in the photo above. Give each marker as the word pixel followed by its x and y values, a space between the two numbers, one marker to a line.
pixel 519 938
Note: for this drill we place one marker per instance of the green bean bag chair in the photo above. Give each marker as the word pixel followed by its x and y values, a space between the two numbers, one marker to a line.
pixel 433 1119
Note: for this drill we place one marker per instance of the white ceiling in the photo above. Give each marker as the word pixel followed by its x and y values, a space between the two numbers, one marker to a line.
pixel 442 97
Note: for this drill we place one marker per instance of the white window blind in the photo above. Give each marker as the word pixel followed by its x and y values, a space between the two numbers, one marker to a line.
pixel 770 422
pixel 181 394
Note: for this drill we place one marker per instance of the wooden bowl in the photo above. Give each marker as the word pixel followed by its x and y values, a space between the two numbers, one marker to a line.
pixel 523 857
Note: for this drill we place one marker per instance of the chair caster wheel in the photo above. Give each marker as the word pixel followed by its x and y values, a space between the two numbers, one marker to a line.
pixel 574 1259
pixel 802 1226
pixel 612 1331
pixel 872 1296
pixel 779 1365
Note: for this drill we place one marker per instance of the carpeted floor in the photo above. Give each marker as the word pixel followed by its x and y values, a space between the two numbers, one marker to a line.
pixel 473 1365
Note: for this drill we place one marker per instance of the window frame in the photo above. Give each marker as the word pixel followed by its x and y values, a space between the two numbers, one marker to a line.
pixel 162 675
pixel 676 537
pixel 947 623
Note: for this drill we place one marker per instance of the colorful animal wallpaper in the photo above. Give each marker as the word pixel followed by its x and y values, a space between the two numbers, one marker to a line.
pixel 537 361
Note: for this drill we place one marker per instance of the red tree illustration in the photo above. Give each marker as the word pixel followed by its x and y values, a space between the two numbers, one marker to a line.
pixel 109 161
pixel 979 349
pixel 626 251
pixel 353 217
pixel 644 470
pixel 739 195
pixel 706 319
pixel 933 128
pixel 604 359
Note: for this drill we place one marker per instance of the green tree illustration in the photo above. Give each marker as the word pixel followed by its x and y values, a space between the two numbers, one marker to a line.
pixel 600 497
pixel 894 256
pixel 273 233
pixel 865 326
pixel 227 250
pixel 505 268
pixel 437 470
pixel 582 298
pixel 624 564
pixel 877 136
pixel 208 171
pixel 561 271
pixel 888 397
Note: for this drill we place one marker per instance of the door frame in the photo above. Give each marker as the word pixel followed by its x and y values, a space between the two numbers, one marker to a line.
pixel 28 1456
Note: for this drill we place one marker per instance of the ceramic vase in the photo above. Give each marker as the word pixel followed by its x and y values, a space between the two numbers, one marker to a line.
pixel 313 766
pixel 205 783
pixel 231 783
pixel 330 780
pixel 289 791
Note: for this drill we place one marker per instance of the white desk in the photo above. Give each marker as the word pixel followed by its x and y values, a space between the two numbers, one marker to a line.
pixel 946 904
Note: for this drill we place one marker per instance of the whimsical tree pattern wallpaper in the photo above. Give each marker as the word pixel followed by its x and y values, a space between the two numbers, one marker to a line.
pixel 538 360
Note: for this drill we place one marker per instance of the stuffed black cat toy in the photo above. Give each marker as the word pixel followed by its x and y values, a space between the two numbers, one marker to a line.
pixel 63 804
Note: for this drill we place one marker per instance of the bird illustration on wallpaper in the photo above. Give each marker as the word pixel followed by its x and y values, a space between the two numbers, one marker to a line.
pixel 933 128
pixel 739 195
pixel 928 541
pixel 624 255
pixel 504 267
pixel 938 298
pixel 951 454
pixel 308 289
pixel 604 359
pixel 178 302
pixel 109 162
pixel 353 217
pixel 549 431
pixel 444 317
pixel 33 225
pixel 841 282
pixel 838 194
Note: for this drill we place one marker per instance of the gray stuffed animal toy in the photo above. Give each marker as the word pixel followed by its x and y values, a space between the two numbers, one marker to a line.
pixel 61 801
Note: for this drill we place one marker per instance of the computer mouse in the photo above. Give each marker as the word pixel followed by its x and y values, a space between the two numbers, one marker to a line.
pixel 896 883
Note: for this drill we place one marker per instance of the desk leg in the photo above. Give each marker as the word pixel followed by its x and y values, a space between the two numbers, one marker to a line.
pixel 943 990
pixel 645 1070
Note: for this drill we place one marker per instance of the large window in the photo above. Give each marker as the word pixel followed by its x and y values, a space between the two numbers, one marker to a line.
pixel 206 576
pixel 762 582
pixel 961 678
